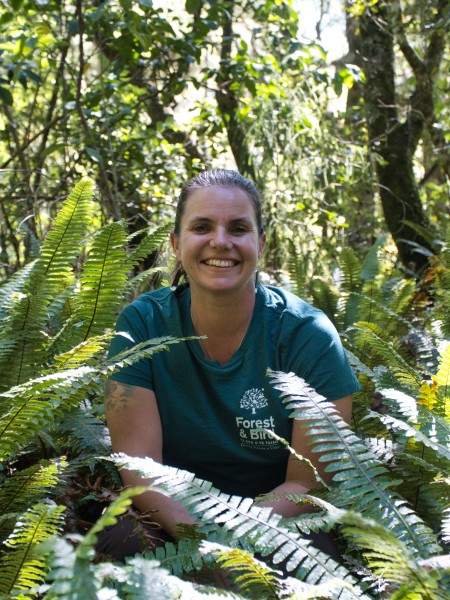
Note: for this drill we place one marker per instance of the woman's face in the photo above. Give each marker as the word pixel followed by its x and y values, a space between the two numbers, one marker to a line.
pixel 218 244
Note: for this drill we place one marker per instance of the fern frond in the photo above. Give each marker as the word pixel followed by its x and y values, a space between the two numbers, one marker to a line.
pixel 34 405
pixel 51 273
pixel 390 559
pixel 363 479
pixel 143 276
pixel 102 283
pixel 116 508
pixel 73 576
pixel 370 335
pixel 10 290
pixel 409 431
pixel 351 268
pixel 297 272
pixel 255 524
pixel 84 433
pixel 26 487
pixel 442 378
pixel 63 242
pixel 69 577
pixel 252 576
pixel 371 263
pixel 83 353
pixel 22 567
pixel 146 579
pixel 445 287
pixel 179 558
pixel 153 240
pixel 325 297
pixel 446 526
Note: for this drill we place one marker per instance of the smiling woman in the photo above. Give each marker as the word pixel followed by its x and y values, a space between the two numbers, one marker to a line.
pixel 201 407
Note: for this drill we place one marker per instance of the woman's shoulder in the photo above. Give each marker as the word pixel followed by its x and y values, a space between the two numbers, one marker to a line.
pixel 283 301
pixel 162 300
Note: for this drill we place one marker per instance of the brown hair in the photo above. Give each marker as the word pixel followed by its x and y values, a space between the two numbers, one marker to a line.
pixel 224 178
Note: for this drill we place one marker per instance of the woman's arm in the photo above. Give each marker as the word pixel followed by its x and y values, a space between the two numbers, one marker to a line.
pixel 299 478
pixel 135 427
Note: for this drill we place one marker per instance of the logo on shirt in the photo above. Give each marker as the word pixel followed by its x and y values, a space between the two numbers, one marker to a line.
pixel 252 431
pixel 253 399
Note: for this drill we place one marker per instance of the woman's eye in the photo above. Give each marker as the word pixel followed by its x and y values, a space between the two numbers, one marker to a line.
pixel 199 228
pixel 239 229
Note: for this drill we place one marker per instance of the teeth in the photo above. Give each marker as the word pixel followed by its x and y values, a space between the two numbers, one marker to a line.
pixel 219 263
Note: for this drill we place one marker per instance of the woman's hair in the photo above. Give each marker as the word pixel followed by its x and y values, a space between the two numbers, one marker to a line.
pixel 223 178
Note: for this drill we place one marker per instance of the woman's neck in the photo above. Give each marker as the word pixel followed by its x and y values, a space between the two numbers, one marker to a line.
pixel 225 322
pixel 222 315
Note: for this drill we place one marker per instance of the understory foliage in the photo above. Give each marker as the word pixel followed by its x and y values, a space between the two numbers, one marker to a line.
pixel 390 496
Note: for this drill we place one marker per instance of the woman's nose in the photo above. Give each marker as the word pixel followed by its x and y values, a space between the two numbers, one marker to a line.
pixel 220 238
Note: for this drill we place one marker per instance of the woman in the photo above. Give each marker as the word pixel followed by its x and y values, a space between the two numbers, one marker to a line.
pixel 204 405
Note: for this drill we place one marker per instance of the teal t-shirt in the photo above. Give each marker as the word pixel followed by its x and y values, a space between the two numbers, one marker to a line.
pixel 213 415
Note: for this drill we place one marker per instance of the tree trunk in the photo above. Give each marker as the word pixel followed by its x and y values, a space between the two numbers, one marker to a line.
pixel 395 142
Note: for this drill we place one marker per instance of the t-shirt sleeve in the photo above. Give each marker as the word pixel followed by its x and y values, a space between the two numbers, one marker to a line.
pixel 134 325
pixel 315 353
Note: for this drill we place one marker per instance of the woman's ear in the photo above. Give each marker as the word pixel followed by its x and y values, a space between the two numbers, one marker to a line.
pixel 262 243
pixel 174 242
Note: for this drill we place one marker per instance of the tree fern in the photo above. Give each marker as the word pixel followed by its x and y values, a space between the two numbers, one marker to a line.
pixel 23 567
pixel 363 480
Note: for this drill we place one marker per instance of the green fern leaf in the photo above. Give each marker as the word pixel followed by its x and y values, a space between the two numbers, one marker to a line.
pixel 410 431
pixel 51 273
pixel 22 567
pixel 357 471
pixel 83 353
pixel 371 336
pixel 24 488
pixel 34 405
pixel 146 579
pixel 252 576
pixel 371 264
pixel 102 283
pixel 390 559
pixel 83 433
pixel 257 525
pixel 351 268
pixel 442 378
pixel 446 526
pixel 10 291
pixel 71 578
pixel 153 240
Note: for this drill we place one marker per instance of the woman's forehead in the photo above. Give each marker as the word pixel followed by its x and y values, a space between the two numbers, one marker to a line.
pixel 231 202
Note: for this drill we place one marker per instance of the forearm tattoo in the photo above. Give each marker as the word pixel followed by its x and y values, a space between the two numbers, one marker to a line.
pixel 117 394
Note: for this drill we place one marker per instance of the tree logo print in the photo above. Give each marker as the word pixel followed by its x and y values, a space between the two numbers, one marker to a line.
pixel 253 399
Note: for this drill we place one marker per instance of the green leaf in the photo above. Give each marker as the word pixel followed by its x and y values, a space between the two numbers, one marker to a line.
pixel 6 96
pixel 93 154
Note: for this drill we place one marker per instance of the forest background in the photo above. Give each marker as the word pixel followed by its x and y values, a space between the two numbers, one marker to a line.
pixel 106 109
pixel 142 95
